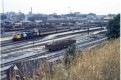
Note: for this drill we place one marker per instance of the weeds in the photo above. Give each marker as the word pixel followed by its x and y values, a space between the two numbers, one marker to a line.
pixel 99 63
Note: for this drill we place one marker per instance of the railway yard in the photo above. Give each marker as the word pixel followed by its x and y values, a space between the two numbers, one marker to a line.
pixel 17 52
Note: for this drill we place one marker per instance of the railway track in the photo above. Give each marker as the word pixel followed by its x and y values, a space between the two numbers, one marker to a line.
pixel 24 53
pixel 30 45
pixel 10 42
pixel 34 55
pixel 54 55
pixel 79 44
pixel 31 41
pixel 17 47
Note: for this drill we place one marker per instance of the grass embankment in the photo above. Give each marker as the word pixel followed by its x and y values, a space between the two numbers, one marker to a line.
pixel 99 63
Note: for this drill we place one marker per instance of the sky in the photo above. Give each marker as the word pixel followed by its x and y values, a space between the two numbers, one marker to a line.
pixel 99 7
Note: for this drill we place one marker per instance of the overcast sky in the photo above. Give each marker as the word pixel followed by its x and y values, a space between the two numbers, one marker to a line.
pixel 62 6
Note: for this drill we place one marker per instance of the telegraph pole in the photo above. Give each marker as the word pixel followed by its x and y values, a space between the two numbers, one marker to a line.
pixel 69 17
pixel 3 6
pixel 3 15
pixel 2 30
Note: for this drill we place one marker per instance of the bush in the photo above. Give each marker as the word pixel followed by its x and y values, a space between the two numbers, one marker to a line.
pixel 113 28
pixel 71 52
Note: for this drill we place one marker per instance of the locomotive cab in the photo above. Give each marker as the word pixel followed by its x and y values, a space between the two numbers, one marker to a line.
pixel 16 37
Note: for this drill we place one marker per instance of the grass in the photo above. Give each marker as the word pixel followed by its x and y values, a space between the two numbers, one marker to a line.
pixel 99 63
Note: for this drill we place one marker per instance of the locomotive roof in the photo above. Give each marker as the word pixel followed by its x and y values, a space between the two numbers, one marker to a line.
pixel 22 32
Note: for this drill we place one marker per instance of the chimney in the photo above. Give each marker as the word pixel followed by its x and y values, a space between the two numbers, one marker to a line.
pixel 31 10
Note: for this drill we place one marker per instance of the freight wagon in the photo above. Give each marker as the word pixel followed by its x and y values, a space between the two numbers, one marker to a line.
pixel 59 45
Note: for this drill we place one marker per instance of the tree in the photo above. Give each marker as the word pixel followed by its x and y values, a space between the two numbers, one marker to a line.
pixel 92 14
pixel 71 52
pixel 31 18
pixel 113 28
pixel 20 16
pixel 3 16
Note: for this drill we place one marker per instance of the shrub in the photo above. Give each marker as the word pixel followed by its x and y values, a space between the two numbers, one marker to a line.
pixel 114 27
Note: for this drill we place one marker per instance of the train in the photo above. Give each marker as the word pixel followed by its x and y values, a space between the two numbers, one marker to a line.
pixel 59 45
pixel 35 33
pixel 41 33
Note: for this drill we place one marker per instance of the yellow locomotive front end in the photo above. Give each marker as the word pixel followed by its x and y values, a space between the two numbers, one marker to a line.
pixel 16 37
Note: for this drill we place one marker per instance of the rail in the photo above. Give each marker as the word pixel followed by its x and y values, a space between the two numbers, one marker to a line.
pixel 30 44
pixel 55 56
pixel 10 42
